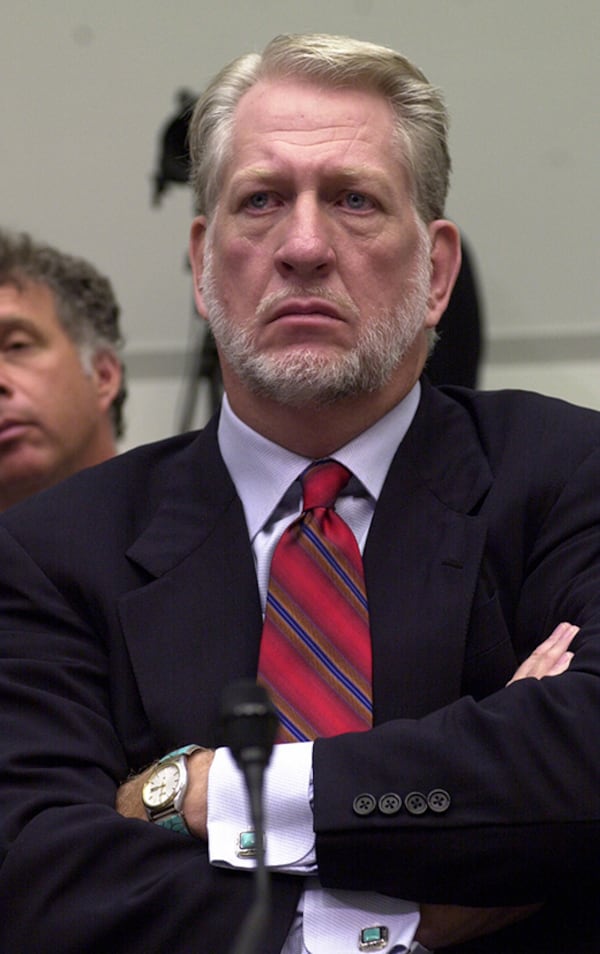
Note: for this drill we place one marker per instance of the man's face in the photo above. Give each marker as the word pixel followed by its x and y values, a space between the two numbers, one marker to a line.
pixel 315 270
pixel 51 409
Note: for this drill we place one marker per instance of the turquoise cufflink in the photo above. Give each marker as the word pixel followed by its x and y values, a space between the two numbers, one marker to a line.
pixel 246 844
pixel 373 938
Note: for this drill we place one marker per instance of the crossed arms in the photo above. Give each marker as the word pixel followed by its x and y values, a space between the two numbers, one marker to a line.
pixel 440 925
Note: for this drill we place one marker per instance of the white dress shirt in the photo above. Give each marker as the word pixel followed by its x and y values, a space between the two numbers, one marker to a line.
pixel 266 478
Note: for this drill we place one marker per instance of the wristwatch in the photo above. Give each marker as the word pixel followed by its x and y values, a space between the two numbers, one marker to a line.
pixel 164 791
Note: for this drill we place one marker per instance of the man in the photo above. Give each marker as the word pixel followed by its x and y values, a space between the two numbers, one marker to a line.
pixel 323 262
pixel 61 378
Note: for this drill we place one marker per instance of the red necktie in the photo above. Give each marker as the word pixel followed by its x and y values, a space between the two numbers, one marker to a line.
pixel 315 653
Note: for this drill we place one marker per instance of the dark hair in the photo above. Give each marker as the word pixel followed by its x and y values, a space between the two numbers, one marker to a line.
pixel 85 301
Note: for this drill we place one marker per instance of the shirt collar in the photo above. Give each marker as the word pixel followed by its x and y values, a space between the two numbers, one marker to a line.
pixel 262 471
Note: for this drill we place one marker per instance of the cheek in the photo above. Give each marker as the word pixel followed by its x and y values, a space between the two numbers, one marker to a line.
pixel 373 275
pixel 388 269
pixel 241 267
pixel 243 253
pixel 70 396
pixel 64 414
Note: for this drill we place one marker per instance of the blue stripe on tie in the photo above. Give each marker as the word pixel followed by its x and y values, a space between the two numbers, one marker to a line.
pixel 291 727
pixel 325 552
pixel 353 689
pixel 286 721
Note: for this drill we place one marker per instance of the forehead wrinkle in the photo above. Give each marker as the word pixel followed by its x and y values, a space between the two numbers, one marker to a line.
pixel 320 134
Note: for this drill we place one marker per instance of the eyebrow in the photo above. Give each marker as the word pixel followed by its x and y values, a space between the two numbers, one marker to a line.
pixel 344 175
pixel 10 323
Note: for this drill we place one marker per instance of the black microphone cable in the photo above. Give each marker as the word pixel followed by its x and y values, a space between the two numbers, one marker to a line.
pixel 249 724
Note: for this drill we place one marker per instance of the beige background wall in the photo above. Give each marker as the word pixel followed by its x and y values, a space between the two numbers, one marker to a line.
pixel 86 88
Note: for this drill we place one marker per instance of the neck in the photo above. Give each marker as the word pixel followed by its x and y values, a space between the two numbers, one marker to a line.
pixel 314 431
pixel 23 486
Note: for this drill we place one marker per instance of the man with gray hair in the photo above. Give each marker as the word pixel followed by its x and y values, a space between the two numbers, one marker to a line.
pixel 61 376
pixel 379 554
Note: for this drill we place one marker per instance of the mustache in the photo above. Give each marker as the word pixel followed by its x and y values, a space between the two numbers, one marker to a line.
pixel 343 302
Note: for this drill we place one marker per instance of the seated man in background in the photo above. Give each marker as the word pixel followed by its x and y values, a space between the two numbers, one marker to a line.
pixel 61 378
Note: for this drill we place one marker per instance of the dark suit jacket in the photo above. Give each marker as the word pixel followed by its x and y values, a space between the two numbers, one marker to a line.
pixel 128 600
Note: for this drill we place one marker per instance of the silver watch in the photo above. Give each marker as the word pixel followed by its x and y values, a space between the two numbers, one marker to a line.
pixel 164 791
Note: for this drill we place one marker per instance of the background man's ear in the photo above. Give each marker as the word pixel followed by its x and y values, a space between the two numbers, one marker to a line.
pixel 108 375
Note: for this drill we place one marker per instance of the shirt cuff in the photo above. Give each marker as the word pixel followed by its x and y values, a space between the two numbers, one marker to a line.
pixel 339 920
pixel 289 839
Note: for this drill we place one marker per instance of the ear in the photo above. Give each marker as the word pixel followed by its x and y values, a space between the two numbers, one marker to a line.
pixel 108 375
pixel 196 252
pixel 445 258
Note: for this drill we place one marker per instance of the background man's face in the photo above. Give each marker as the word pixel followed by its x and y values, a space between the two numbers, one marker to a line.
pixel 50 408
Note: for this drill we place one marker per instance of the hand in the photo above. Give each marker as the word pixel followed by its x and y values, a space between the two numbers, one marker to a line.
pixel 129 795
pixel 551 657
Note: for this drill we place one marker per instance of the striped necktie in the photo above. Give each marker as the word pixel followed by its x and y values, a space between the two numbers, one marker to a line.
pixel 315 653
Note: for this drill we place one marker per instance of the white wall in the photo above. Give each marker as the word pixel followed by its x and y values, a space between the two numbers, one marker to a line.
pixel 87 86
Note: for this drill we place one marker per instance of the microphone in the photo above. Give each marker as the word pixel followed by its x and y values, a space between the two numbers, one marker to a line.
pixel 249 724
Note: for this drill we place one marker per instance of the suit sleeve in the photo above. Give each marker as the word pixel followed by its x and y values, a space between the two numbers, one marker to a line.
pixel 75 875
pixel 518 819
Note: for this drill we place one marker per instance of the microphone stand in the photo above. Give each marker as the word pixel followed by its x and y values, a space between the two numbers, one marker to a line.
pixel 256 922
pixel 249 724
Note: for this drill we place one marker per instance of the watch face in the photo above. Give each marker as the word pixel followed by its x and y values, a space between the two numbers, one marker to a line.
pixel 162 786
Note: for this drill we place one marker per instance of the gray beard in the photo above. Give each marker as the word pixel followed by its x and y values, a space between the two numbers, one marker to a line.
pixel 306 375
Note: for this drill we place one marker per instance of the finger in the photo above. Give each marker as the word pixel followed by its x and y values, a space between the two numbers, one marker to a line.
pixel 561 665
pixel 543 659
pixel 557 641
pixel 551 657
pixel 548 654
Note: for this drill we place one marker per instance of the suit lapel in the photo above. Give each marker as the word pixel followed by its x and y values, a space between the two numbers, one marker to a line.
pixel 422 560
pixel 199 611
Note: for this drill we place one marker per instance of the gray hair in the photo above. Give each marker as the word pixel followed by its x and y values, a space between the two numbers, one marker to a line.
pixel 85 301
pixel 338 62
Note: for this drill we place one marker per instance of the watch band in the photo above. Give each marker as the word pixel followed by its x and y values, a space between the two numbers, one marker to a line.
pixel 175 821
pixel 184 750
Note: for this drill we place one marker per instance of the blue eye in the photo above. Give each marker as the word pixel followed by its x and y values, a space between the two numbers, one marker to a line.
pixel 357 201
pixel 258 201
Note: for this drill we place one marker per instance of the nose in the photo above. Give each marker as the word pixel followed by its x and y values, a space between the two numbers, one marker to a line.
pixel 306 247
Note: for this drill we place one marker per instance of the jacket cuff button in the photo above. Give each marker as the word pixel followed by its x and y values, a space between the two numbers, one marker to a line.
pixel 438 800
pixel 390 804
pixel 415 803
pixel 364 804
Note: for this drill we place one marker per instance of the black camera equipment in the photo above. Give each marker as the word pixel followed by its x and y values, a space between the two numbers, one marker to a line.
pixel 173 167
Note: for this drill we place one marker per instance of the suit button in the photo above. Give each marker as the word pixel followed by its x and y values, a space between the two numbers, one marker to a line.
pixel 415 803
pixel 364 804
pixel 390 804
pixel 438 800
